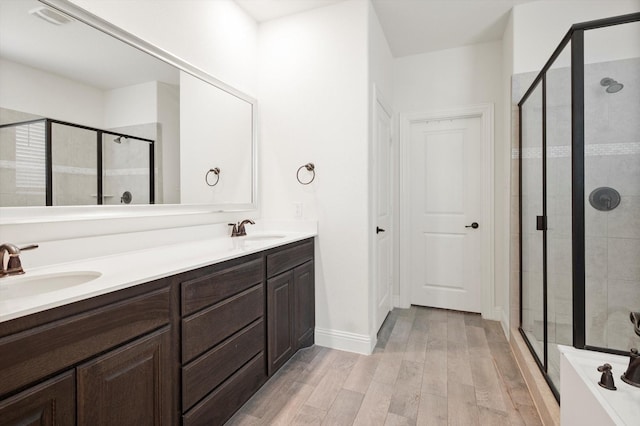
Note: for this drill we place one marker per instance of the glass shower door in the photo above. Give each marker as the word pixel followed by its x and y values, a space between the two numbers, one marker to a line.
pixel 559 211
pixel 74 159
pixel 532 265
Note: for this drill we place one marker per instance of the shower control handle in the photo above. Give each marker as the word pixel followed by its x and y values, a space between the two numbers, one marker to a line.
pixel 379 230
pixel 474 225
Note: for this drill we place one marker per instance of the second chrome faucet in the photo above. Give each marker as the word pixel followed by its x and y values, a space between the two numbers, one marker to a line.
pixel 238 229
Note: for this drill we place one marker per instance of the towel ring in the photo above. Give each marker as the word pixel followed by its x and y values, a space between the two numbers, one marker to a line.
pixel 215 171
pixel 310 168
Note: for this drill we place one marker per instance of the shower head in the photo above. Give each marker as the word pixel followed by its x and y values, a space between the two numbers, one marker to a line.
pixel 119 139
pixel 611 85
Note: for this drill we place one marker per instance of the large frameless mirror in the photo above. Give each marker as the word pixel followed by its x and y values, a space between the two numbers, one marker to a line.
pixel 91 115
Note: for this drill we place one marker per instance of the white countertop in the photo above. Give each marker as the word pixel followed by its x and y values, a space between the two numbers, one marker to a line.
pixel 622 405
pixel 131 268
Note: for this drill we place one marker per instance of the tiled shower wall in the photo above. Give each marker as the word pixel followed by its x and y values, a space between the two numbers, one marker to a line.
pixel 612 137
pixel 612 238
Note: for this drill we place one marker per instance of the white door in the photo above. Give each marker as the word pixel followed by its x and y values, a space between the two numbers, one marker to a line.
pixel 446 191
pixel 383 230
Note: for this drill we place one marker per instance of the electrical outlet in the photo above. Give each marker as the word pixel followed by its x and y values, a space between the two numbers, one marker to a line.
pixel 297 208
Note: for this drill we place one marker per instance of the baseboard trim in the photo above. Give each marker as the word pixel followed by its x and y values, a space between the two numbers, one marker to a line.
pixel 345 341
pixel 396 301
pixel 505 324
pixel 546 404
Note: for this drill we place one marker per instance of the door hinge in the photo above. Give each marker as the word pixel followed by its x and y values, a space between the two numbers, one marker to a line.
pixel 541 223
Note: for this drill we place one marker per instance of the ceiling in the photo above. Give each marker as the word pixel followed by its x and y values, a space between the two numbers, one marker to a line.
pixel 266 10
pixel 413 26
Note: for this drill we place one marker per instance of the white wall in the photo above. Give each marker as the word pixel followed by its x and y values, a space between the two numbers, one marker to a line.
pixel 169 116
pixel 539 26
pixel 131 105
pixel 215 131
pixel 504 157
pixel 313 98
pixel 38 92
pixel 380 58
pixel 458 77
pixel 451 77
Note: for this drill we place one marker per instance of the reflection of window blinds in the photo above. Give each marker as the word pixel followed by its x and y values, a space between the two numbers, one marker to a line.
pixel 30 156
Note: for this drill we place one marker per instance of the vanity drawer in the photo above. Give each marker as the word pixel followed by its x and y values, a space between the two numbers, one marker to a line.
pixel 289 258
pixel 211 326
pixel 208 371
pixel 220 405
pixel 30 355
pixel 203 291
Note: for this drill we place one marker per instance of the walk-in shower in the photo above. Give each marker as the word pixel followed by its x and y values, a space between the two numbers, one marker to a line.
pixel 579 194
pixel 58 163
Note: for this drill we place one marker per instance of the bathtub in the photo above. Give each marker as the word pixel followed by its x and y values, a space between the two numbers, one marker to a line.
pixel 584 402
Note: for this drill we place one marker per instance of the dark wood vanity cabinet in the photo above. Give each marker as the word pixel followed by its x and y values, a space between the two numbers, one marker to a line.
pixel 127 386
pixel 223 339
pixel 290 302
pixel 304 305
pixel 111 358
pixel 234 335
pixel 49 403
pixel 280 309
pixel 190 348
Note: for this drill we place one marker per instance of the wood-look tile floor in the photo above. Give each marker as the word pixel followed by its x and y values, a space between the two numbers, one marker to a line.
pixel 430 367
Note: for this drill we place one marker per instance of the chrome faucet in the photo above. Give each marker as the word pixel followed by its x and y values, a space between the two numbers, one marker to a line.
pixel 238 229
pixel 10 259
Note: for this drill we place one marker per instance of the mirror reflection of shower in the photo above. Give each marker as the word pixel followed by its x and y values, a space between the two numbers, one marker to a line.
pixel 611 85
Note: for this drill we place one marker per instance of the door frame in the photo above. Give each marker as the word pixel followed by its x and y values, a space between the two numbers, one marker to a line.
pixel 485 112
pixel 379 99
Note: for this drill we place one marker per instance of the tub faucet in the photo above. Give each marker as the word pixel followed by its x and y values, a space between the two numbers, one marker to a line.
pixel 632 375
pixel 10 259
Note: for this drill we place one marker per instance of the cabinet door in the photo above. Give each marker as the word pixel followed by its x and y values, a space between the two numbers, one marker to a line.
pixel 49 403
pixel 280 321
pixel 130 385
pixel 305 308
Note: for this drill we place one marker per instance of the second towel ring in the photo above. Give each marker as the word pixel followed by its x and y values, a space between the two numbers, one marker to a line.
pixel 310 168
pixel 215 171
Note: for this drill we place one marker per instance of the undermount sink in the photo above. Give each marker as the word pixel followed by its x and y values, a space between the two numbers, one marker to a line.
pixel 262 237
pixel 25 285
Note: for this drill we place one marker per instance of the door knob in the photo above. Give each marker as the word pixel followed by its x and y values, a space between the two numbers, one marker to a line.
pixel 379 230
pixel 474 225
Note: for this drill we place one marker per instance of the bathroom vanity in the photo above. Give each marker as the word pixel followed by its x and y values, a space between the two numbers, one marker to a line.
pixel 189 347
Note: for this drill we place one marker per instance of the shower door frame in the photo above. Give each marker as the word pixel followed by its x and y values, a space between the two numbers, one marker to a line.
pixel 48 122
pixel 575 35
